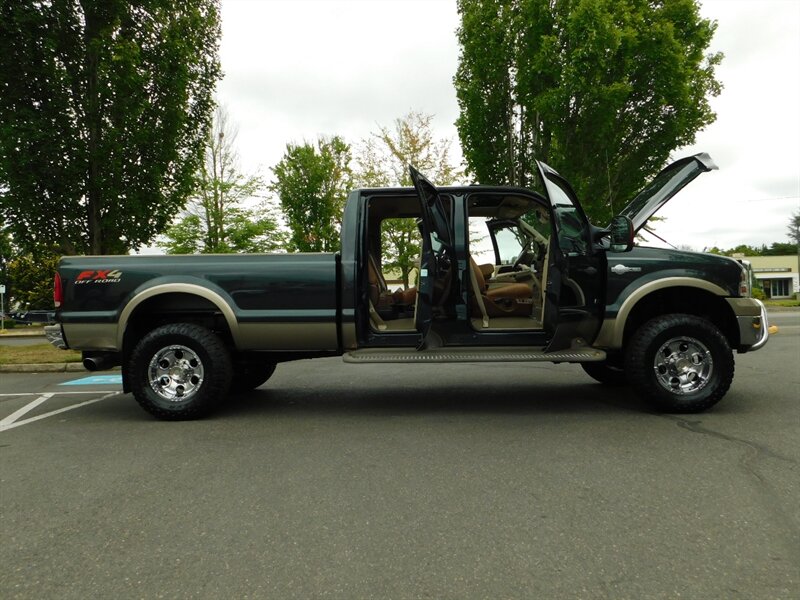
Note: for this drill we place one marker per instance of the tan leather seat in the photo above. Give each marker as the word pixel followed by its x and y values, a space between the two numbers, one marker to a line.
pixel 510 300
pixel 487 270
pixel 379 293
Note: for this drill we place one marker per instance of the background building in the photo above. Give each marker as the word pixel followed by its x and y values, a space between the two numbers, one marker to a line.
pixel 778 275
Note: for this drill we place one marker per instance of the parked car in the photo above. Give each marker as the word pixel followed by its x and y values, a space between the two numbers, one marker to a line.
pixel 36 316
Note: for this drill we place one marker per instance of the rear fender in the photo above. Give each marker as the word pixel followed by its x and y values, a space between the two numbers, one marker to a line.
pixel 180 288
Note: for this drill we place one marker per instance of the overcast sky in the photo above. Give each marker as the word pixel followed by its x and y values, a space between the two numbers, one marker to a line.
pixel 298 69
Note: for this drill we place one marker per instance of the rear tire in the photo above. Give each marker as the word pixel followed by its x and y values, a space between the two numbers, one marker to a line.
pixel 179 371
pixel 680 363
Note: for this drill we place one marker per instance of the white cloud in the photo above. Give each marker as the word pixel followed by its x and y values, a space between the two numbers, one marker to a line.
pixel 301 68
pixel 756 138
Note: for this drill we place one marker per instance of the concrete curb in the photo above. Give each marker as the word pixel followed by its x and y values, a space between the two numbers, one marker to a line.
pixel 44 368
pixel 13 333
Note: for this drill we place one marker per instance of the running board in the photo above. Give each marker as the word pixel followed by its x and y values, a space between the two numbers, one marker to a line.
pixel 461 354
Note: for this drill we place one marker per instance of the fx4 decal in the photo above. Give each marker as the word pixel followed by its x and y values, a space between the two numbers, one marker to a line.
pixel 108 276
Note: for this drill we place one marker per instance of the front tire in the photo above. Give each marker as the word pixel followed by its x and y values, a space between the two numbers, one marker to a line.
pixel 680 363
pixel 179 371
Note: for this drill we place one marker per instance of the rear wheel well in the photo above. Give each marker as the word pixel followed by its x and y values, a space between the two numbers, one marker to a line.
pixel 686 300
pixel 174 307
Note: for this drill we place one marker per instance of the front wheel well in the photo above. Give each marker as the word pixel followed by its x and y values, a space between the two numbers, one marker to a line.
pixel 685 300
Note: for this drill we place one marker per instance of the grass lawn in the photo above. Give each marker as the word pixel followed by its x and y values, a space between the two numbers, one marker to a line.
pixel 36 354
pixel 786 303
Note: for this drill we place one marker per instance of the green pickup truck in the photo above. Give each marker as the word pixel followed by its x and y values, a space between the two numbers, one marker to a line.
pixel 504 274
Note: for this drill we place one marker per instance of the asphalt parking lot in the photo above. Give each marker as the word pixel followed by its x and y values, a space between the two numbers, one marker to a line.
pixel 371 481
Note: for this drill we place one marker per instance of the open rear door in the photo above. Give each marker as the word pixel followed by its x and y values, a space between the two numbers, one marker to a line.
pixel 437 252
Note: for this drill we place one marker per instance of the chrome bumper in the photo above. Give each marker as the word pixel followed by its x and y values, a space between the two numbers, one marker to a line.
pixel 754 330
pixel 55 335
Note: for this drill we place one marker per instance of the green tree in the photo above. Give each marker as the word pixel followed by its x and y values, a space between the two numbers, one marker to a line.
pixel 744 249
pixel 602 90
pixel 312 182
pixel 31 281
pixel 775 249
pixel 793 229
pixel 383 160
pixel 780 249
pixel 216 219
pixel 6 251
pixel 104 109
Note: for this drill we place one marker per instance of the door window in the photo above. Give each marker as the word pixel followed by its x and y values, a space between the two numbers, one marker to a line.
pixel 570 223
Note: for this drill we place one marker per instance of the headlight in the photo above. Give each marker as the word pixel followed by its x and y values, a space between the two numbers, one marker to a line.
pixel 744 279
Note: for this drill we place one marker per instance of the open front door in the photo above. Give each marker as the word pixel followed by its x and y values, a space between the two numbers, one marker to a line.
pixel 437 252
pixel 573 299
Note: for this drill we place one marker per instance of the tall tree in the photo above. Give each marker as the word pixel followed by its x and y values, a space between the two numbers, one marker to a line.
pixel 793 228
pixel 383 160
pixel 312 182
pixel 104 108
pixel 216 219
pixel 602 90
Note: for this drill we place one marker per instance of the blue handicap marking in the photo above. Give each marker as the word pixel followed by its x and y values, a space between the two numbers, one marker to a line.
pixel 96 380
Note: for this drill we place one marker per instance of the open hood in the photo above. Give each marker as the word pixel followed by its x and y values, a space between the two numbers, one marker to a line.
pixel 666 184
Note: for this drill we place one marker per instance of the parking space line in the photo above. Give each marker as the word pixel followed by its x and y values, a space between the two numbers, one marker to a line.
pixel 25 409
pixel 52 413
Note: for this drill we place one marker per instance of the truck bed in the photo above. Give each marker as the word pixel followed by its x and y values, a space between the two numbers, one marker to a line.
pixel 270 301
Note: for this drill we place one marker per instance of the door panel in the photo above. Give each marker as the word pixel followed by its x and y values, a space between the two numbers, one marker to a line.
pixel 437 252
pixel 573 308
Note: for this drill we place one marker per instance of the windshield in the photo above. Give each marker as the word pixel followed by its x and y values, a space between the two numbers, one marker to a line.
pixel 510 243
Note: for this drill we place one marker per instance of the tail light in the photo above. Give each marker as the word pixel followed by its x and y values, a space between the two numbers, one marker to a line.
pixel 58 291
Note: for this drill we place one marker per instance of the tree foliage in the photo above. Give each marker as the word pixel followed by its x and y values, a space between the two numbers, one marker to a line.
pixel 312 182
pixel 774 249
pixel 104 108
pixel 383 160
pixel 6 250
pixel 30 281
pixel 793 228
pixel 216 219
pixel 602 90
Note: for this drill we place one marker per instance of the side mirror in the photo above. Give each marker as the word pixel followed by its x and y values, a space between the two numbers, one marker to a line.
pixel 621 230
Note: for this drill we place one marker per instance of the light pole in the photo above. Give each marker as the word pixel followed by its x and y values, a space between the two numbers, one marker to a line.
pixel 2 307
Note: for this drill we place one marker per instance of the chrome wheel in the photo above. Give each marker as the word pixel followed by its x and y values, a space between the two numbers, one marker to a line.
pixel 175 373
pixel 683 365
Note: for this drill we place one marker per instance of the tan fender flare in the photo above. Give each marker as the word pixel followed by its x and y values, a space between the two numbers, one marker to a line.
pixel 612 331
pixel 178 288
